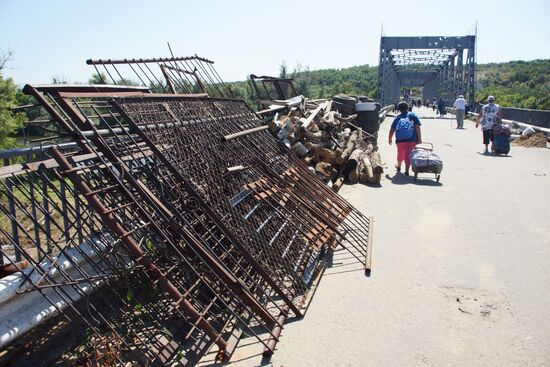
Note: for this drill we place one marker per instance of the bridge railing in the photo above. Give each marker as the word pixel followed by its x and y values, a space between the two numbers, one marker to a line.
pixel 40 213
pixel 540 118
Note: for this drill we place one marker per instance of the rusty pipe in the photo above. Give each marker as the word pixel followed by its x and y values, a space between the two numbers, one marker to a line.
pixel 276 332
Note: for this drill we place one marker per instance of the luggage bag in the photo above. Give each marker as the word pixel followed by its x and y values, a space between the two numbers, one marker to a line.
pixel 501 139
pixel 424 160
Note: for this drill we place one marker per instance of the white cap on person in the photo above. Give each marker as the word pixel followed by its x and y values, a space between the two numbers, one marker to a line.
pixel 491 98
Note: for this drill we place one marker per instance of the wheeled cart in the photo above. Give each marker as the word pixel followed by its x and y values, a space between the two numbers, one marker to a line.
pixel 425 160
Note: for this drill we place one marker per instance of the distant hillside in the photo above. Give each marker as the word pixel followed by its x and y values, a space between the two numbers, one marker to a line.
pixel 314 84
pixel 522 84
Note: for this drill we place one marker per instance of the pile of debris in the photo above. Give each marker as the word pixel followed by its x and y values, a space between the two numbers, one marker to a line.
pixel 336 137
pixel 537 140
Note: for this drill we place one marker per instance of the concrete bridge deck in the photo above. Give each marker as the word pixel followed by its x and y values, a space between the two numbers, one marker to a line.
pixel 460 268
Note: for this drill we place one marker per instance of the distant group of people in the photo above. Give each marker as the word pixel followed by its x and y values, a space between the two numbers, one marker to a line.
pixel 437 104
pixel 412 102
pixel 406 125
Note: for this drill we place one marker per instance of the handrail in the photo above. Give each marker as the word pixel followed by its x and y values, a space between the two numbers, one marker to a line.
pixel 20 152
pixel 507 121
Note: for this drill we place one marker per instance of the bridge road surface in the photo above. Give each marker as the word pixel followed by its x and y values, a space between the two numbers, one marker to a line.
pixel 461 269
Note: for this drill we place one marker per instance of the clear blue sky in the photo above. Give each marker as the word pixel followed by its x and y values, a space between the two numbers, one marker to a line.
pixel 54 37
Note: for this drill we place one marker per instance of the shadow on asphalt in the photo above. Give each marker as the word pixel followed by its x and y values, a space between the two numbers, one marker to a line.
pixel 401 179
pixel 495 155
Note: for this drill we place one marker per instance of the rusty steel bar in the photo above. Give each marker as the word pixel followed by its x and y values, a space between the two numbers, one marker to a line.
pixel 141 61
pixel 168 80
pixel 368 256
pixel 245 133
pixel 272 342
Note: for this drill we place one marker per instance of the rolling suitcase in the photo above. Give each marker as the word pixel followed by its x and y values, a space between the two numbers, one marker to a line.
pixel 501 139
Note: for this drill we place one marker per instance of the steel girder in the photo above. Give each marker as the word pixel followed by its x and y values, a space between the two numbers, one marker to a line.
pixel 435 63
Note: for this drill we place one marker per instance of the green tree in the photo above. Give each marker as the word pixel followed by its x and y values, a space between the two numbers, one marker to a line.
pixel 99 78
pixel 283 70
pixel 9 122
pixel 5 59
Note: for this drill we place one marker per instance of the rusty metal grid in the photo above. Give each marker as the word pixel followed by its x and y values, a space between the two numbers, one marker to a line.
pixel 149 178
pixel 278 240
pixel 183 201
pixel 282 187
pixel 176 75
pixel 83 270
pixel 213 299
pixel 191 209
pixel 213 304
pixel 234 227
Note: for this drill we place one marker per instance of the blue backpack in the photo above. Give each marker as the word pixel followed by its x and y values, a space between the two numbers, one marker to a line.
pixel 404 129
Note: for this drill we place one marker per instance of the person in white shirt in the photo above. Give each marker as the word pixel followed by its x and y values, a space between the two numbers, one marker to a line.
pixel 490 114
pixel 460 106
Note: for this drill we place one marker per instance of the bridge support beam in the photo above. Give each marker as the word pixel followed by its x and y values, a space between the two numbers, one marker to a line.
pixel 460 72
pixel 434 63
pixel 471 77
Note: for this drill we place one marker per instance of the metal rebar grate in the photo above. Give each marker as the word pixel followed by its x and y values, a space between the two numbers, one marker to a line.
pixel 201 223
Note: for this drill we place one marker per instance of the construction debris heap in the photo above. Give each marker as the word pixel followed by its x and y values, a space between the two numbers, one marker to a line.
pixel 336 137
pixel 172 223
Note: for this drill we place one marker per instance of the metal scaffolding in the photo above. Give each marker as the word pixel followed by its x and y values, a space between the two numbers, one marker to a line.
pixel 434 63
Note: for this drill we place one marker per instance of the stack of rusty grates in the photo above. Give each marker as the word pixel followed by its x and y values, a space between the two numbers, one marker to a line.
pixel 201 227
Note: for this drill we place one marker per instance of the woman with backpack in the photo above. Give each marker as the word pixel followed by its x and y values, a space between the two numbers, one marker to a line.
pixel 406 127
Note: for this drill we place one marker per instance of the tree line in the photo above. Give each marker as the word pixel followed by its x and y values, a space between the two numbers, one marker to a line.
pixel 521 84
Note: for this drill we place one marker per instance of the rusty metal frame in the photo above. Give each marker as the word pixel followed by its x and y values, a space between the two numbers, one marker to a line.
pixel 275 83
pixel 76 116
pixel 205 206
pixel 175 70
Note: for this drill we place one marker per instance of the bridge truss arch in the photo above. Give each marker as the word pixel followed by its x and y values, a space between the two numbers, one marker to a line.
pixel 442 66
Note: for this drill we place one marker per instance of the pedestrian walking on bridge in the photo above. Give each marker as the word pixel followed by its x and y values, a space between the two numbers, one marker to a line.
pixel 490 114
pixel 406 127
pixel 441 107
pixel 460 111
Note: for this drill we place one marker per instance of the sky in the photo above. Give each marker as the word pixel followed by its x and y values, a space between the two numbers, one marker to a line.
pixel 54 38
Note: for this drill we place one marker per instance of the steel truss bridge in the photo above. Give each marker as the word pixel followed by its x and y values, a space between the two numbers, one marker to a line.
pixel 442 66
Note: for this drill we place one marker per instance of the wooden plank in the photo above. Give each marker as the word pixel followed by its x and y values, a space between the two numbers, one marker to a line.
pixel 368 256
